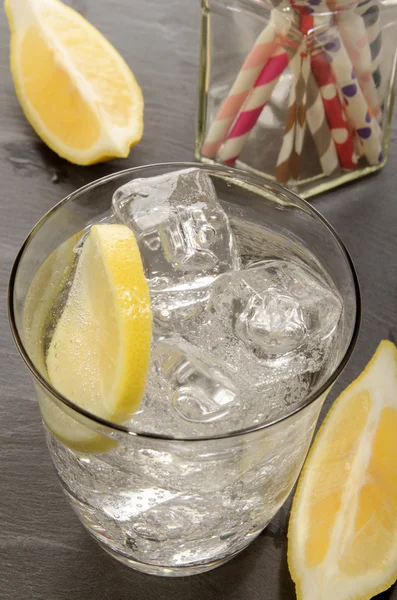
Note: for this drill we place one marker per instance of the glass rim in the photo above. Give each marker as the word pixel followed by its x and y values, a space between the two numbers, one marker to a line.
pixel 246 179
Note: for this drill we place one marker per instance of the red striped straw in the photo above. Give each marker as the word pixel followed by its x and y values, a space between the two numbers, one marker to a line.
pixel 334 111
pixel 326 82
pixel 315 110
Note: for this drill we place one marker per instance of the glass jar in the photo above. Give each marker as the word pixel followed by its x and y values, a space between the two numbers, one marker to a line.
pixel 299 91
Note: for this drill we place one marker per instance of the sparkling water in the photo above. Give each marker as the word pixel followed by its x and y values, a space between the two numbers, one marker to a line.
pixel 246 324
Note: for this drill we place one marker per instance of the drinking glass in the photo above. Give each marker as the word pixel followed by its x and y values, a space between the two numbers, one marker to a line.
pixel 162 505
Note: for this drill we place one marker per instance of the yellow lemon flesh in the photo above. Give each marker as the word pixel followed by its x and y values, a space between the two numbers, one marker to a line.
pixel 73 86
pixel 342 539
pixel 99 353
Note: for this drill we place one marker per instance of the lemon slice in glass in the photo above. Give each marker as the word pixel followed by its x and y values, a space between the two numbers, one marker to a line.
pixel 99 353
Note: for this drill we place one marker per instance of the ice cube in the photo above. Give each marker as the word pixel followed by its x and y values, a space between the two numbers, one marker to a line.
pixel 201 390
pixel 272 329
pixel 272 321
pixel 181 228
pixel 264 339
pixel 277 308
pixel 173 307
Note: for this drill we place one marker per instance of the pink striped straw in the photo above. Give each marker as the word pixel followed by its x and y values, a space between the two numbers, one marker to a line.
pixel 265 46
pixel 255 103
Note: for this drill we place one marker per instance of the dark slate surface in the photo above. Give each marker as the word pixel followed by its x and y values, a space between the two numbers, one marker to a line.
pixel 44 552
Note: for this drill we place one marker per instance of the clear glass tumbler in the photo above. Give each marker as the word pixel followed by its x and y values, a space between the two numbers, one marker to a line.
pixel 175 506
pixel 298 91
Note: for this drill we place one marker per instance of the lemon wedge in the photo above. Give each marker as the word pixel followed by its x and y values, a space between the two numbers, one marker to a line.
pixel 99 353
pixel 342 539
pixel 73 86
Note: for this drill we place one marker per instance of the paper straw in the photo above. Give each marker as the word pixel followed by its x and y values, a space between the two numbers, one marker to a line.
pixel 317 122
pixel 355 40
pixel 323 77
pixel 256 101
pixel 306 13
pixel 370 13
pixel 318 126
pixel 265 46
pixel 366 127
pixel 300 122
pixel 314 15
pixel 284 161
pixel 334 111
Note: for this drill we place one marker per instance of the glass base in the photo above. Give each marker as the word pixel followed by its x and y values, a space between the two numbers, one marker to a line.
pixel 102 535
pixel 162 571
pixel 306 188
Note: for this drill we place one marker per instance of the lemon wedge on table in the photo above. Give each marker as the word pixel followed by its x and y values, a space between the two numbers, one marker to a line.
pixel 342 539
pixel 99 353
pixel 74 88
